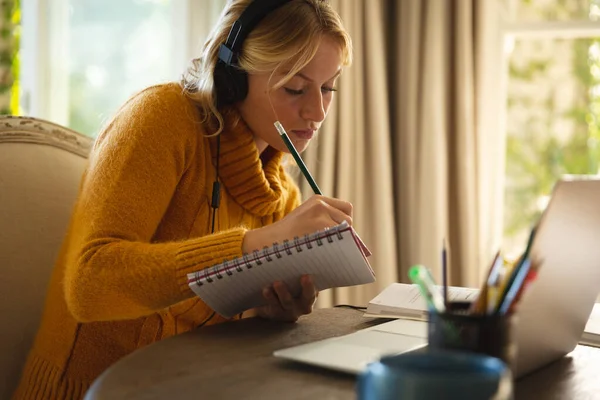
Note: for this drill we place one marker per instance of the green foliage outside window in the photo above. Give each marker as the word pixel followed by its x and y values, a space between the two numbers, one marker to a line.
pixel 537 155
pixel 10 18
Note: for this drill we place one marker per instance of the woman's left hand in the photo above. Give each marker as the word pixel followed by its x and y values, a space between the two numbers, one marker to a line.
pixel 282 306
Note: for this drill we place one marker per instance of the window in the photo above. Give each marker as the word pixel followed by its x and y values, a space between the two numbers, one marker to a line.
pixel 552 52
pixel 113 54
pixel 81 59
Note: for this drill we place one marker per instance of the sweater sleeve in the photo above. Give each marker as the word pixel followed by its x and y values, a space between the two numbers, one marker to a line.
pixel 113 270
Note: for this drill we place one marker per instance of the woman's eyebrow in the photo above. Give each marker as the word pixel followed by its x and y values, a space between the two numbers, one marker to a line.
pixel 306 78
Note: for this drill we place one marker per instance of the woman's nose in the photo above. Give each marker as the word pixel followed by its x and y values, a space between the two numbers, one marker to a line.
pixel 313 108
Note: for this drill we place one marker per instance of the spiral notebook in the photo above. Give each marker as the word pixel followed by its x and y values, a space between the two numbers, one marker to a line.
pixel 335 257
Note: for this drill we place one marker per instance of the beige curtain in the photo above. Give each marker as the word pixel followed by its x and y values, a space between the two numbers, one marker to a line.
pixel 352 159
pixel 413 138
pixel 448 146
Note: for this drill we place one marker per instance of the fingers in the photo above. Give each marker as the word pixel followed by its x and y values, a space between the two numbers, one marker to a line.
pixel 270 296
pixel 273 308
pixel 329 210
pixel 338 216
pixel 281 305
pixel 276 298
pixel 308 295
pixel 343 206
pixel 285 297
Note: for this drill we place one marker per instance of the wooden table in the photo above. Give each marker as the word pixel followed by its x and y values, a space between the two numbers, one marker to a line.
pixel 234 360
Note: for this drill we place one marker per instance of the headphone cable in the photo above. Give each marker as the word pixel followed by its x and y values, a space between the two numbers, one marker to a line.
pixel 216 191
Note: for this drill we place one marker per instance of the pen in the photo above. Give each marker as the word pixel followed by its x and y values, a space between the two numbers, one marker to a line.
pixel 529 278
pixel 493 282
pixel 482 303
pixel 494 273
pixel 445 272
pixel 515 287
pixel 294 152
pixel 493 289
pixel 421 276
pixel 517 268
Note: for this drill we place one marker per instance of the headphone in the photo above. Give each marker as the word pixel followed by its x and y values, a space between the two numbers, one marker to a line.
pixel 230 81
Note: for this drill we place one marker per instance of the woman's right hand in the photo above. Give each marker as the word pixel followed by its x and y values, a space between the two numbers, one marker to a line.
pixel 317 213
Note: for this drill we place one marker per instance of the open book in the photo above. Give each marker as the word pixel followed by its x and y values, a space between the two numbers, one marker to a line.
pixel 591 335
pixel 335 257
pixel 401 300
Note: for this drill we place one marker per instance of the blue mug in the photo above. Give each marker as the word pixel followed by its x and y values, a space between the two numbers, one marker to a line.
pixel 439 375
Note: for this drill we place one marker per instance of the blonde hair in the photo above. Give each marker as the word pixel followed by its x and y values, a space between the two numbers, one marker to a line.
pixel 292 32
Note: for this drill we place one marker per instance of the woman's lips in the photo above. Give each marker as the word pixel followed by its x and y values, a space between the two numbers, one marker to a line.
pixel 306 134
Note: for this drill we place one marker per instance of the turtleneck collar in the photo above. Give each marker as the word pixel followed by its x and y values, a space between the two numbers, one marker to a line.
pixel 254 186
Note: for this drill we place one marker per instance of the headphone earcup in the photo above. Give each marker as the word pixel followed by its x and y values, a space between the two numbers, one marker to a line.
pixel 231 84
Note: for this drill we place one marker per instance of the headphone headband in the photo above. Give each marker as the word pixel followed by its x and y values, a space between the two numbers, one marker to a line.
pixel 231 82
pixel 252 15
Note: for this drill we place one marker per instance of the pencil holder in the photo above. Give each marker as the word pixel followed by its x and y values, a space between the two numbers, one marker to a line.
pixel 454 329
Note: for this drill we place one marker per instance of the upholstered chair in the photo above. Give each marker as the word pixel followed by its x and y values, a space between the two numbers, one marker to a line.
pixel 41 164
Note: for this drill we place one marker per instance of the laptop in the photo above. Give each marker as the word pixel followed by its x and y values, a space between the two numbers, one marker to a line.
pixel 551 314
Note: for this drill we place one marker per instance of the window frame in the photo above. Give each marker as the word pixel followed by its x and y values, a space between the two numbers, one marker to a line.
pixel 43 92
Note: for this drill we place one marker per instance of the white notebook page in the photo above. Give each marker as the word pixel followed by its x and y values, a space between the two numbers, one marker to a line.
pixel 336 262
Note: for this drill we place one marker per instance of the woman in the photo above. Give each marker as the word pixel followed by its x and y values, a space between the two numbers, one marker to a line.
pixel 143 219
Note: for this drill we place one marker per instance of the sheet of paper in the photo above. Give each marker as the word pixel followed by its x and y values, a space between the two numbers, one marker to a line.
pixel 408 296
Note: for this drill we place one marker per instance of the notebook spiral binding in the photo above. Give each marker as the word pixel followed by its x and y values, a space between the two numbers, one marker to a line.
pixel 259 257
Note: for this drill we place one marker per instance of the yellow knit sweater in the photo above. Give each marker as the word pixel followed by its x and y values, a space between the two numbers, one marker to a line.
pixel 141 223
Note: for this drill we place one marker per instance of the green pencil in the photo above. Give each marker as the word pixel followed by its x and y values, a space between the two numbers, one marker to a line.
pixel 301 165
